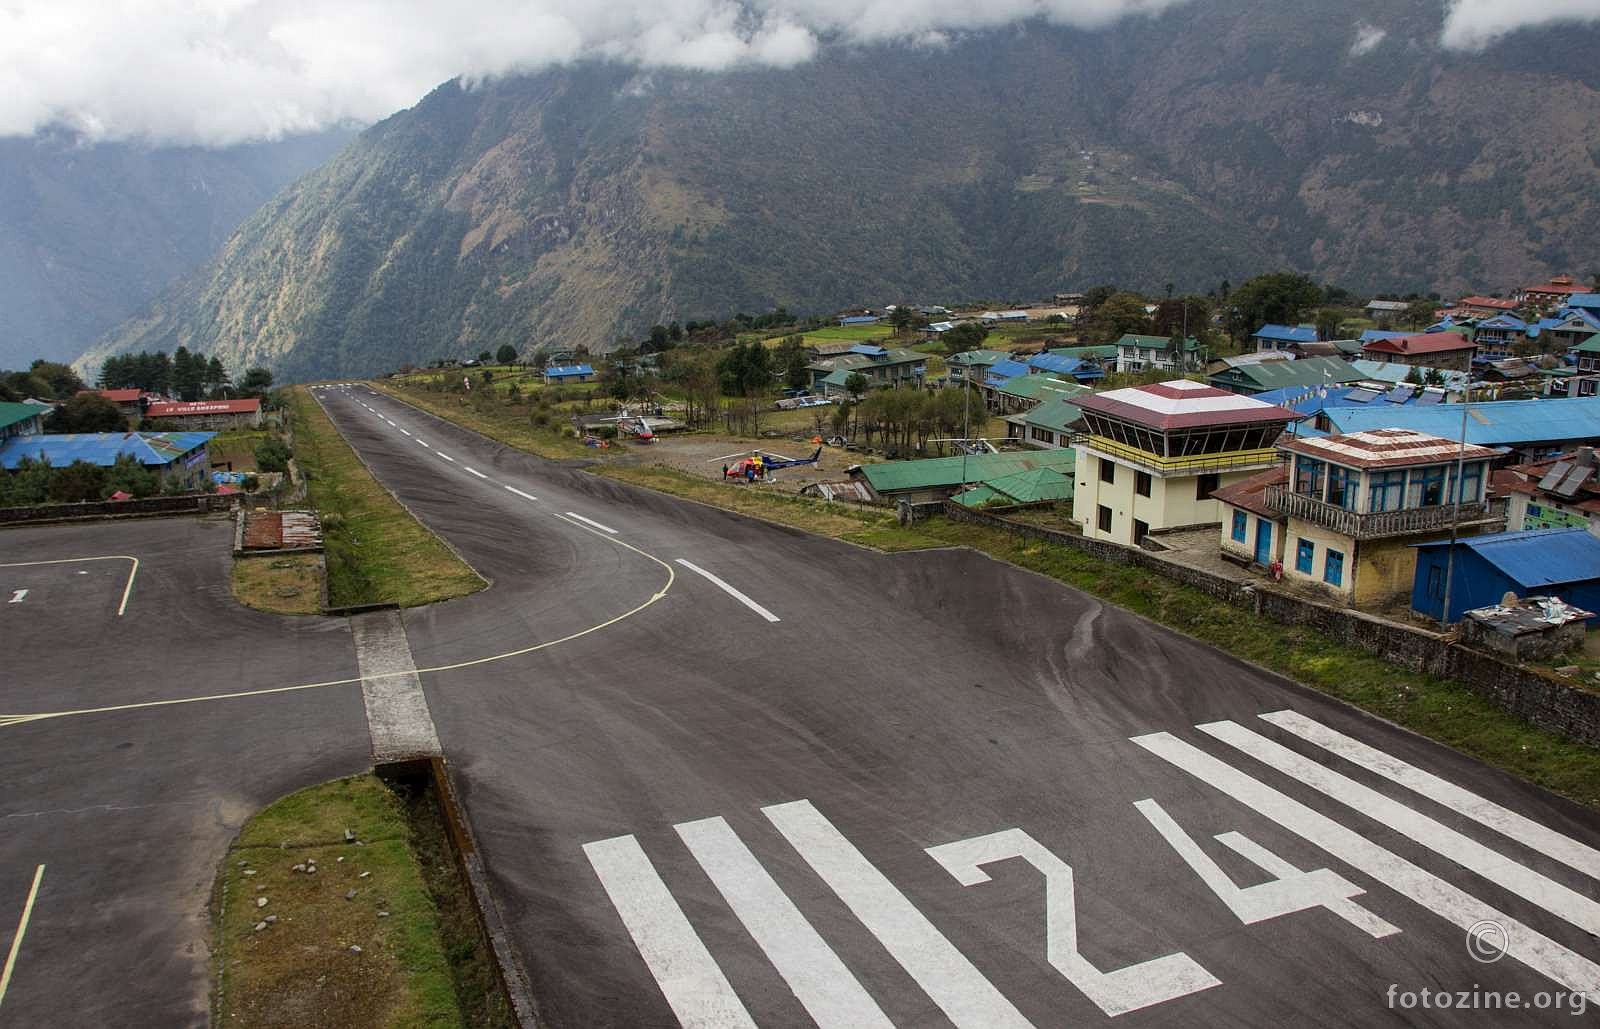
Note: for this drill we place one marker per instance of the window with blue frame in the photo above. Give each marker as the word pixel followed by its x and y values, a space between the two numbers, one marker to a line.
pixel 1386 491
pixel 1471 483
pixel 1305 553
pixel 1308 477
pixel 1427 486
pixel 1343 485
pixel 1238 526
pixel 1333 568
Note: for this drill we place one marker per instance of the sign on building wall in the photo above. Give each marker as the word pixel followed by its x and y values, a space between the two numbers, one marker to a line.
pixel 1541 517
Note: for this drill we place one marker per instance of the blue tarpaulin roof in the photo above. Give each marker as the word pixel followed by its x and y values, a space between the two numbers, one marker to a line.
pixel 102 448
pixel 1061 365
pixel 1502 423
pixel 1287 333
pixel 1545 557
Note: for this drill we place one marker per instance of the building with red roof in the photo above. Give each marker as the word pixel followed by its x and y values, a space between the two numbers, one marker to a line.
pixel 1552 293
pixel 1482 307
pixel 1449 351
pixel 203 414
pixel 1150 457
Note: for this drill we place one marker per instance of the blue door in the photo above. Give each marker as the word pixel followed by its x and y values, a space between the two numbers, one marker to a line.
pixel 1263 542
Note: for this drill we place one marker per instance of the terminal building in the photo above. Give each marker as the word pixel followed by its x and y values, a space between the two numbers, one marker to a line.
pixel 1150 457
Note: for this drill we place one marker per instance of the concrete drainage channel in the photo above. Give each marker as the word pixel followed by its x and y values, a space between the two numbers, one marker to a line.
pixel 425 781
pixel 407 755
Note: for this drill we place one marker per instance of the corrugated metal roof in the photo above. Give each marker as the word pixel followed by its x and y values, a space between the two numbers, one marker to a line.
pixel 1007 369
pixel 1497 424
pixel 899 476
pixel 1308 371
pixel 1287 333
pixel 1039 387
pixel 1055 414
pixel 102 448
pixel 1034 486
pixel 1544 557
pixel 186 408
pixel 11 414
pixel 977 357
pixel 563 370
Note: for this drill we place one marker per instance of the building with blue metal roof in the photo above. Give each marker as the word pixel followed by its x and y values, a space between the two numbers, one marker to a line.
pixel 1312 400
pixel 562 373
pixel 1532 429
pixel 1276 337
pixel 175 456
pixel 1000 371
pixel 1550 562
pixel 1070 367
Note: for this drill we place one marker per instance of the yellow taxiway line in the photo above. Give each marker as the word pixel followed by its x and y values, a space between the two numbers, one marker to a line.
pixel 126 590
pixel 19 719
pixel 22 928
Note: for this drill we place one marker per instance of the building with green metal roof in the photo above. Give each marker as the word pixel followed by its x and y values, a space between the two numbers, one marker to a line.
pixel 972 364
pixel 1049 424
pixel 21 419
pixel 934 479
pixel 1020 489
pixel 1136 353
pixel 1261 376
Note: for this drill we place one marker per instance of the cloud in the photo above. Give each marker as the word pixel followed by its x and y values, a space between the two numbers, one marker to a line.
pixel 1367 39
pixel 1474 24
pixel 224 71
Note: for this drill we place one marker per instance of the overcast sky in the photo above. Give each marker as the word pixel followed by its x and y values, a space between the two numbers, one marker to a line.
pixel 224 71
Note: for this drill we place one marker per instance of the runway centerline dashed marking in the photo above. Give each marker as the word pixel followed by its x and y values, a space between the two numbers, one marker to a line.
pixel 524 496
pixel 424 443
pixel 446 456
pixel 22 930
pixel 591 521
pixel 474 471
pixel 729 590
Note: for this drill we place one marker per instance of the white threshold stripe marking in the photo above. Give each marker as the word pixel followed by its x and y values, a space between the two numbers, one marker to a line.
pixel 943 972
pixel 524 496
pixel 591 521
pixel 1559 900
pixel 1547 841
pixel 829 992
pixel 729 590
pixel 1455 905
pixel 22 930
pixel 695 988
pixel 474 471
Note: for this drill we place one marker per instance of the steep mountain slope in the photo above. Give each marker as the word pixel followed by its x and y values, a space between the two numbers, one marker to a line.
pixel 90 234
pixel 1224 138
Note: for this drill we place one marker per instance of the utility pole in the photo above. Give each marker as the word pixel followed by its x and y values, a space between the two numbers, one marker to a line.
pixel 1455 512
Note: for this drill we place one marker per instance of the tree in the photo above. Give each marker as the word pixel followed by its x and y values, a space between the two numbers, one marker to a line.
pixel 28 484
pixel 256 382
pixel 87 412
pixel 77 482
pixel 1421 313
pixel 855 384
pixel 484 356
pixel 1095 296
pixel 272 455
pixel 188 373
pixel 1328 322
pixel 1119 315
pixel 791 360
pixel 1281 298
pixel 63 381
pixel 1414 376
pixel 964 337
pixel 127 475
pixel 507 354
pixel 217 379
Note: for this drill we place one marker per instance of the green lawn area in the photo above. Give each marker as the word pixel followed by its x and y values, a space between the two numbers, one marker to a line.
pixel 843 333
pixel 379 958
pixel 376 551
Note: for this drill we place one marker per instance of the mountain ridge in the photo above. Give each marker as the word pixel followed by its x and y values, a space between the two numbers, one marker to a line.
pixel 1215 141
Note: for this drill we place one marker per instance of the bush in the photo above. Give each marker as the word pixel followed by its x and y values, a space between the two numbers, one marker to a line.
pixel 250 484
pixel 272 455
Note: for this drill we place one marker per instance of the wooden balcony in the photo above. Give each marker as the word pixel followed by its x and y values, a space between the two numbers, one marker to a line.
pixel 1381 524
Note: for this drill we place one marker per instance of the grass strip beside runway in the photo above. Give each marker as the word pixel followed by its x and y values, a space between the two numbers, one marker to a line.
pixel 376 551
pixel 395 952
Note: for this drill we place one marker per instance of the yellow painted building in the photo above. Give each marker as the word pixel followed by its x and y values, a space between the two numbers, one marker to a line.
pixel 1150 457
pixel 1349 509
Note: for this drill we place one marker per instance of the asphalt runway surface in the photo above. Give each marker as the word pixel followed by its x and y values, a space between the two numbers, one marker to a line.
pixel 130 811
pixel 726 773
